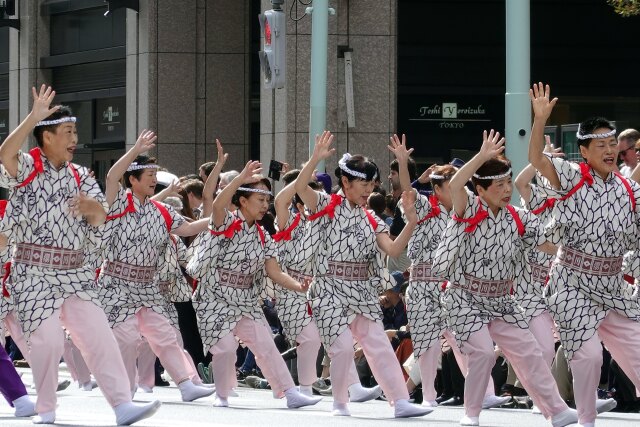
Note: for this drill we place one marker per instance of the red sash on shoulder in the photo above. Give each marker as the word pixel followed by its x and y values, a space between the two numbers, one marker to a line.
pixel 435 209
pixel 38 168
pixel 286 233
pixel 483 214
pixel 236 226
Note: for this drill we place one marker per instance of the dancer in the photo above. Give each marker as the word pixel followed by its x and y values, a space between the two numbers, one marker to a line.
pixel 597 215
pixel 230 283
pixel 425 310
pixel 480 250
pixel 298 242
pixel 56 207
pixel 140 232
pixel 350 273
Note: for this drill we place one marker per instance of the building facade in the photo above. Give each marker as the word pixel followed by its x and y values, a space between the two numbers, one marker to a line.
pixel 434 69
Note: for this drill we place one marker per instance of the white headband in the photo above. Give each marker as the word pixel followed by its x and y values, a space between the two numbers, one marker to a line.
pixel 504 175
pixel 612 132
pixel 56 121
pixel 255 190
pixel 134 166
pixel 342 164
pixel 434 176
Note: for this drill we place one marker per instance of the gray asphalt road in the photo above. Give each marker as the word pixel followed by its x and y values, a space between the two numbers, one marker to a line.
pixel 259 408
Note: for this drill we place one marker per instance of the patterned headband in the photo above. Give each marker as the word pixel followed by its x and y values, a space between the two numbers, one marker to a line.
pixel 255 190
pixel 134 166
pixel 612 132
pixel 504 175
pixel 56 121
pixel 434 176
pixel 342 164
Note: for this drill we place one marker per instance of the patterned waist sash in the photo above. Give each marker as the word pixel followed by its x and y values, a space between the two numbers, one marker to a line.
pixel 235 279
pixel 129 272
pixel 48 256
pixel 352 271
pixel 485 288
pixel 590 264
pixel 539 273
pixel 299 277
pixel 422 272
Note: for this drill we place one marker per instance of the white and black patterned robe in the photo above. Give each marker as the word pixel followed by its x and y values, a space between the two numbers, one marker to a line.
pixel 39 214
pixel 529 288
pixel 138 238
pixel 220 307
pixel 296 253
pixel 599 220
pixel 493 251
pixel 348 237
pixel 424 298
pixel 171 282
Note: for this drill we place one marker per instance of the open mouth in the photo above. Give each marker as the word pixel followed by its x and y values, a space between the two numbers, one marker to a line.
pixel 71 149
pixel 609 161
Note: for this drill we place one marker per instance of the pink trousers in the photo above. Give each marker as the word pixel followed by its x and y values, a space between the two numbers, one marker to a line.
pixel 521 348
pixel 88 325
pixel 308 345
pixel 542 328
pixel 380 356
pixel 75 363
pixel 162 340
pixel 463 361
pixel 622 338
pixel 147 363
pixel 257 336
pixel 15 330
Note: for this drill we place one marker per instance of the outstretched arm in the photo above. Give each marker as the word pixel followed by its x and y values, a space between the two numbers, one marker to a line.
pixel 492 146
pixel 276 274
pixel 249 175
pixel 399 149
pixel 212 182
pixel 394 247
pixel 542 108
pixel 321 152
pixel 282 202
pixel 144 143
pixel 191 228
pixel 40 111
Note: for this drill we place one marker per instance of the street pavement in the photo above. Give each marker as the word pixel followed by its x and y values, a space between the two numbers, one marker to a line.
pixel 259 408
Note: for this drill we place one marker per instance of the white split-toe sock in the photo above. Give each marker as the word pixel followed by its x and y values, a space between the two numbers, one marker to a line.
pixel 404 409
pixel 340 410
pixel 358 393
pixel 493 401
pixel 45 418
pixel 220 402
pixel 24 406
pixel 129 413
pixel 567 417
pixel 295 399
pixel 470 421
pixel 191 392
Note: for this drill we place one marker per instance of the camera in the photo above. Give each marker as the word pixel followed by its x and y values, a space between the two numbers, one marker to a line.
pixel 275 167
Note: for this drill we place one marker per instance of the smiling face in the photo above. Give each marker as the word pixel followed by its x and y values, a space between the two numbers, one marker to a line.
pixel 255 205
pixel 601 153
pixel 59 144
pixel 498 194
pixel 145 185
pixel 357 191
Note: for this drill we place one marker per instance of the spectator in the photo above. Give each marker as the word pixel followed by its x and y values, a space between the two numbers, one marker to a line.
pixel 627 140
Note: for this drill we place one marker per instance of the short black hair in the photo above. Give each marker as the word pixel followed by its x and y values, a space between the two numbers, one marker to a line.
pixel 411 165
pixel 38 131
pixel 590 125
pixel 241 193
pixel 137 173
pixel 360 164
pixel 207 167
pixel 492 167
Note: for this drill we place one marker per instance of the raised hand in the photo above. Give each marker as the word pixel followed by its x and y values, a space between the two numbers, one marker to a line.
pixel 145 142
pixel 408 200
pixel 222 156
pixel 542 106
pixel 250 173
pixel 425 176
pixel 548 148
pixel 399 148
pixel 492 145
pixel 41 102
pixel 322 149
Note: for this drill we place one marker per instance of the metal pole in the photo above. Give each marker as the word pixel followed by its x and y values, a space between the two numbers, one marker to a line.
pixel 318 101
pixel 517 104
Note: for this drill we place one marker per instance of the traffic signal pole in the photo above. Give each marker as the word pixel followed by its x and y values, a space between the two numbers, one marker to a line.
pixel 517 103
pixel 318 101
